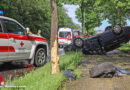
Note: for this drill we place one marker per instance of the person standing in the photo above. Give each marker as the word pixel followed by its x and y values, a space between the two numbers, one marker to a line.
pixel 39 33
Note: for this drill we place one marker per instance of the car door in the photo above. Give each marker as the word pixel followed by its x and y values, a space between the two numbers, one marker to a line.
pixel 18 39
pixel 4 44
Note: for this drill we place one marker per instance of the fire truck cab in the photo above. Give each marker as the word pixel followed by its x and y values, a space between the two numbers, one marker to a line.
pixel 65 36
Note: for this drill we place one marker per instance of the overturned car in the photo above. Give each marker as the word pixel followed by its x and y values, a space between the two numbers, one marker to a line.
pixel 112 38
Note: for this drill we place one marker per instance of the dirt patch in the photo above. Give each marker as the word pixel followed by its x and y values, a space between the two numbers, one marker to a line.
pixel 10 71
pixel 116 83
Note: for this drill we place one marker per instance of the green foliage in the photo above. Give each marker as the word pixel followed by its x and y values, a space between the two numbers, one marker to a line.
pixel 42 79
pixel 92 13
pixel 35 14
pixel 91 32
pixel 77 72
pixel 116 11
pixel 92 16
pixel 71 61
pixel 125 48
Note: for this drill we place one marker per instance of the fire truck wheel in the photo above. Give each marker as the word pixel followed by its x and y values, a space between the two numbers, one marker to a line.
pixel 40 57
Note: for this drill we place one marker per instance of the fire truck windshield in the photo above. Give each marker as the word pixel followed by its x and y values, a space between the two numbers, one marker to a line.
pixel 76 33
pixel 64 34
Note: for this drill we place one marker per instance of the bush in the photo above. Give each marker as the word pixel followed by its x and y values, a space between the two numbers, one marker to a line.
pixel 125 48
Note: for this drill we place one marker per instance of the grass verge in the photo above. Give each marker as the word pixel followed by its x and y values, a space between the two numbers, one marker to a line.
pixel 125 48
pixel 41 79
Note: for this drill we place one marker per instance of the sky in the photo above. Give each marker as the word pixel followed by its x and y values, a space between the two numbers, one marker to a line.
pixel 71 13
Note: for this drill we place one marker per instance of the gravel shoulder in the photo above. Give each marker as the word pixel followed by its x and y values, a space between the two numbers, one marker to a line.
pixel 116 83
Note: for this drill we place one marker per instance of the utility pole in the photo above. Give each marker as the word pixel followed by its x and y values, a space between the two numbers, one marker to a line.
pixel 54 41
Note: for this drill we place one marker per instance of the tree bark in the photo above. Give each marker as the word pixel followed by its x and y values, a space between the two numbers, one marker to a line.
pixel 82 12
pixel 54 42
pixel 83 16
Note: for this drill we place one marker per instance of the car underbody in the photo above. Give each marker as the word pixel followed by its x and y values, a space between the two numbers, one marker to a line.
pixel 104 42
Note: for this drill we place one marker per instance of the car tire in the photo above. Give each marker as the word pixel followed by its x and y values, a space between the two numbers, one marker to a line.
pixel 40 57
pixel 117 29
pixel 108 28
pixel 78 42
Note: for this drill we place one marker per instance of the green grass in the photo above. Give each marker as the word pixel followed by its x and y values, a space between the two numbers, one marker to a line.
pixel 125 48
pixel 42 79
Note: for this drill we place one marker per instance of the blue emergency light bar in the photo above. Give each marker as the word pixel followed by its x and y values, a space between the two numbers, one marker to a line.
pixel 1 12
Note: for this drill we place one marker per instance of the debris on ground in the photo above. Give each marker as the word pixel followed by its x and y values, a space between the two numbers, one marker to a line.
pixel 84 63
pixel 116 83
pixel 69 75
pixel 103 70
pixel 9 71
pixel 121 71
pixel 29 67
pixel 106 70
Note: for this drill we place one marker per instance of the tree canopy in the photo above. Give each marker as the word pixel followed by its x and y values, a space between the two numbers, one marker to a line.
pixel 116 11
pixel 35 14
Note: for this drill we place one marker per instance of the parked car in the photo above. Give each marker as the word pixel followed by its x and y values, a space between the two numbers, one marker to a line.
pixel 112 38
pixel 17 44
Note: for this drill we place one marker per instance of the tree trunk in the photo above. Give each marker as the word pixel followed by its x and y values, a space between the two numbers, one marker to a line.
pixel 83 16
pixel 82 19
pixel 54 41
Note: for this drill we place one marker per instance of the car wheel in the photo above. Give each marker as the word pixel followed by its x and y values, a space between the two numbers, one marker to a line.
pixel 40 57
pixel 117 29
pixel 108 28
pixel 78 42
